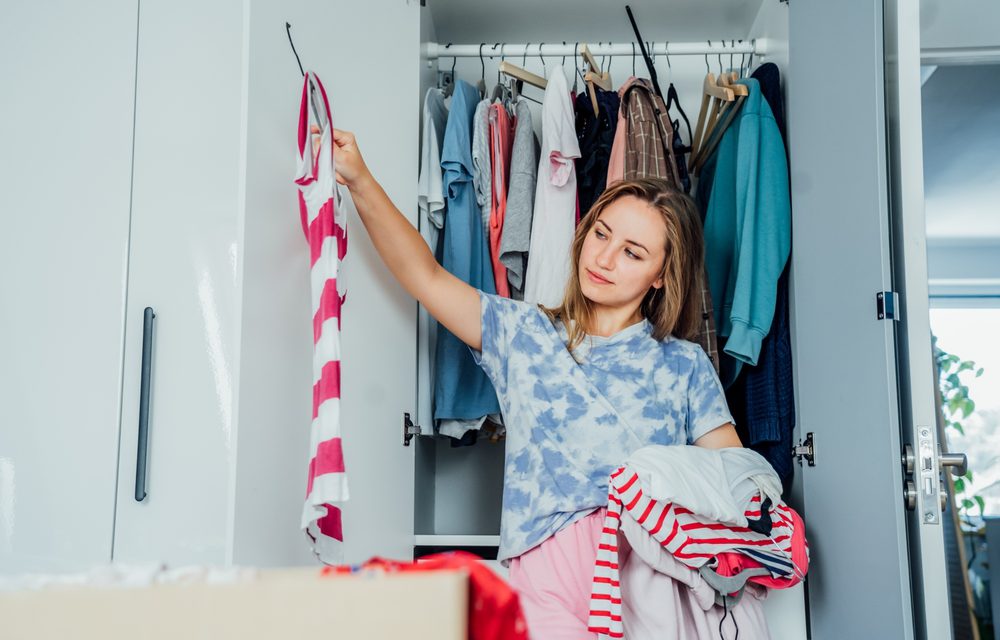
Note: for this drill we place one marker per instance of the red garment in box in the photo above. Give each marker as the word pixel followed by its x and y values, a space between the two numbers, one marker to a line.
pixel 494 609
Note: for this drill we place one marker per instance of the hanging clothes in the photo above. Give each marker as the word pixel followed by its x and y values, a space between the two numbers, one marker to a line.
pixel 482 174
pixel 747 230
pixel 515 237
pixel 501 140
pixel 324 221
pixel 461 390
pixel 555 198
pixel 763 397
pixel 616 162
pixel 649 150
pixel 430 201
pixel 595 134
pixel 643 120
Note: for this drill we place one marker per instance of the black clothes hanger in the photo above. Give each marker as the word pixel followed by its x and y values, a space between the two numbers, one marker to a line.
pixel 312 93
pixel 673 99
pixel 645 55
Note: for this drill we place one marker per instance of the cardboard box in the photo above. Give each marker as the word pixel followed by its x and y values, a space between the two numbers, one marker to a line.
pixel 282 603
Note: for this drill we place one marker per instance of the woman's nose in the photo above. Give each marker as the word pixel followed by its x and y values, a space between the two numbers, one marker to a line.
pixel 605 258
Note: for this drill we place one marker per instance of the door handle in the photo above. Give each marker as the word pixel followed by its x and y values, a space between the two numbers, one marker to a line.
pixel 147 366
pixel 958 462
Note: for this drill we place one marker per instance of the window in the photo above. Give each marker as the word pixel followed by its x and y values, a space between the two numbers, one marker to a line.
pixel 974 334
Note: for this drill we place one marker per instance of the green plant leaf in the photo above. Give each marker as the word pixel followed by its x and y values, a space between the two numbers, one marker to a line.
pixel 967 504
pixel 959 485
pixel 982 504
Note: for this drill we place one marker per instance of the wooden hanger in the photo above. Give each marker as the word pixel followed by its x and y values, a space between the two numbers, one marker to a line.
pixel 524 75
pixel 727 112
pixel 710 92
pixel 592 78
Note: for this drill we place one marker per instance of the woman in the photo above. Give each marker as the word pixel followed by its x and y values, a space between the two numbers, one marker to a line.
pixel 581 386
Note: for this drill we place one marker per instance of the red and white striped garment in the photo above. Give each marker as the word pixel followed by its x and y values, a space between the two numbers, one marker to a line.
pixel 691 539
pixel 324 221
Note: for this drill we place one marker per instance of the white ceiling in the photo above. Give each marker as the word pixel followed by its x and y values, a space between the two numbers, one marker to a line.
pixel 961 122
pixel 492 21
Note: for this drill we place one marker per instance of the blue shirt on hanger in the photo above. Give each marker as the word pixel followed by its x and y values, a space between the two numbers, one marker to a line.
pixel 747 230
pixel 461 390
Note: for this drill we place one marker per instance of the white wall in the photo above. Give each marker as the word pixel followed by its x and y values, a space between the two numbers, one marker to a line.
pixel 959 23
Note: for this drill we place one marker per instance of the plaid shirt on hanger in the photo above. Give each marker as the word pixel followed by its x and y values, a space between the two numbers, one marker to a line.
pixel 649 153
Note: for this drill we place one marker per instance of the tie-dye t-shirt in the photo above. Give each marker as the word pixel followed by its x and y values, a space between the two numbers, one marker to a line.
pixel 570 424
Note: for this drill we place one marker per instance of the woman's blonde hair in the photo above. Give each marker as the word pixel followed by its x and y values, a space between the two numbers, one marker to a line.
pixel 673 309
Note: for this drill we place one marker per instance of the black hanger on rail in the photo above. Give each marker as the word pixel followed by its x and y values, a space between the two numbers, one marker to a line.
pixel 645 54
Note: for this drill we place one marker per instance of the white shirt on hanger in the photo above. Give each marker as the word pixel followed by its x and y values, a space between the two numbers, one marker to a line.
pixel 430 200
pixel 554 220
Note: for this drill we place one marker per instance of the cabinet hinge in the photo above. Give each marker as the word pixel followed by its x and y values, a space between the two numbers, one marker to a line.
pixel 805 450
pixel 409 430
pixel 886 305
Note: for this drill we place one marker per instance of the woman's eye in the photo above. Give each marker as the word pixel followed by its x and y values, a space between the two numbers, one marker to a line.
pixel 598 233
pixel 629 253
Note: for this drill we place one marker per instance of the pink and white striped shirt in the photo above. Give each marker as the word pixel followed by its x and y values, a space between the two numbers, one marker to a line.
pixel 324 221
pixel 691 539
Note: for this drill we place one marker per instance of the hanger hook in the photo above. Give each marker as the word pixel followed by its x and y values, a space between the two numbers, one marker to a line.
pixel 753 50
pixel 454 59
pixel 288 29
pixel 604 58
pixel 502 45
pixel 576 63
pixel 731 53
pixel 542 58
pixel 482 64
pixel 563 63
pixel 633 58
pixel 524 58
pixel 708 69
pixel 666 50
pixel 720 57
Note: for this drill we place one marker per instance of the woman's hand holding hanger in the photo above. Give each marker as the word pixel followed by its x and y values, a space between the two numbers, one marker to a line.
pixel 347 161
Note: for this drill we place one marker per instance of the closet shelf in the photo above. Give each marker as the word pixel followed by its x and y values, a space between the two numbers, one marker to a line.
pixel 455 540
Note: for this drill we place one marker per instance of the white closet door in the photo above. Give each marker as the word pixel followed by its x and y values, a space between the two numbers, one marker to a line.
pixel 67 72
pixel 184 263
pixel 366 55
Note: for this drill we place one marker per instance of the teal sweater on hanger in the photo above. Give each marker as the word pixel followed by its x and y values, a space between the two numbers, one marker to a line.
pixel 747 230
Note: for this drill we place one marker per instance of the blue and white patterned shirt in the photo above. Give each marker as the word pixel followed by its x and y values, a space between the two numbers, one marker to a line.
pixel 570 424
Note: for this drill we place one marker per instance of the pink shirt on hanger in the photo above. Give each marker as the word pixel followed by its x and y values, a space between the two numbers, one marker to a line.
pixel 501 129
pixel 616 164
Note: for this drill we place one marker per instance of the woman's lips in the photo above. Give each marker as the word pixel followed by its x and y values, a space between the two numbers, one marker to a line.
pixel 596 278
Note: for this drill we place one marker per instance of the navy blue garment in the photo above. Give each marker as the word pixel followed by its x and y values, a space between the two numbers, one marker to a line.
pixel 461 389
pixel 595 134
pixel 763 397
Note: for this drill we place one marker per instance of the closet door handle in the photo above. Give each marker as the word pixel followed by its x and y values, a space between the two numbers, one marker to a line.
pixel 147 365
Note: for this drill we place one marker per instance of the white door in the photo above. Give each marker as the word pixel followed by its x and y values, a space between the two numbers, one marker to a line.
pixel 863 381
pixel 917 377
pixel 68 75
pixel 183 264
pixel 366 54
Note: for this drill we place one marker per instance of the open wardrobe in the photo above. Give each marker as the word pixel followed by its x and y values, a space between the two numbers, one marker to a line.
pixel 156 179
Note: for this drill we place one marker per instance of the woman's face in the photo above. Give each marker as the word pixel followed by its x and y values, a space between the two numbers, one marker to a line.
pixel 623 253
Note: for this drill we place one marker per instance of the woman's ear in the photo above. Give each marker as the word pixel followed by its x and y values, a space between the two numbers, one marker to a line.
pixel 658 283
